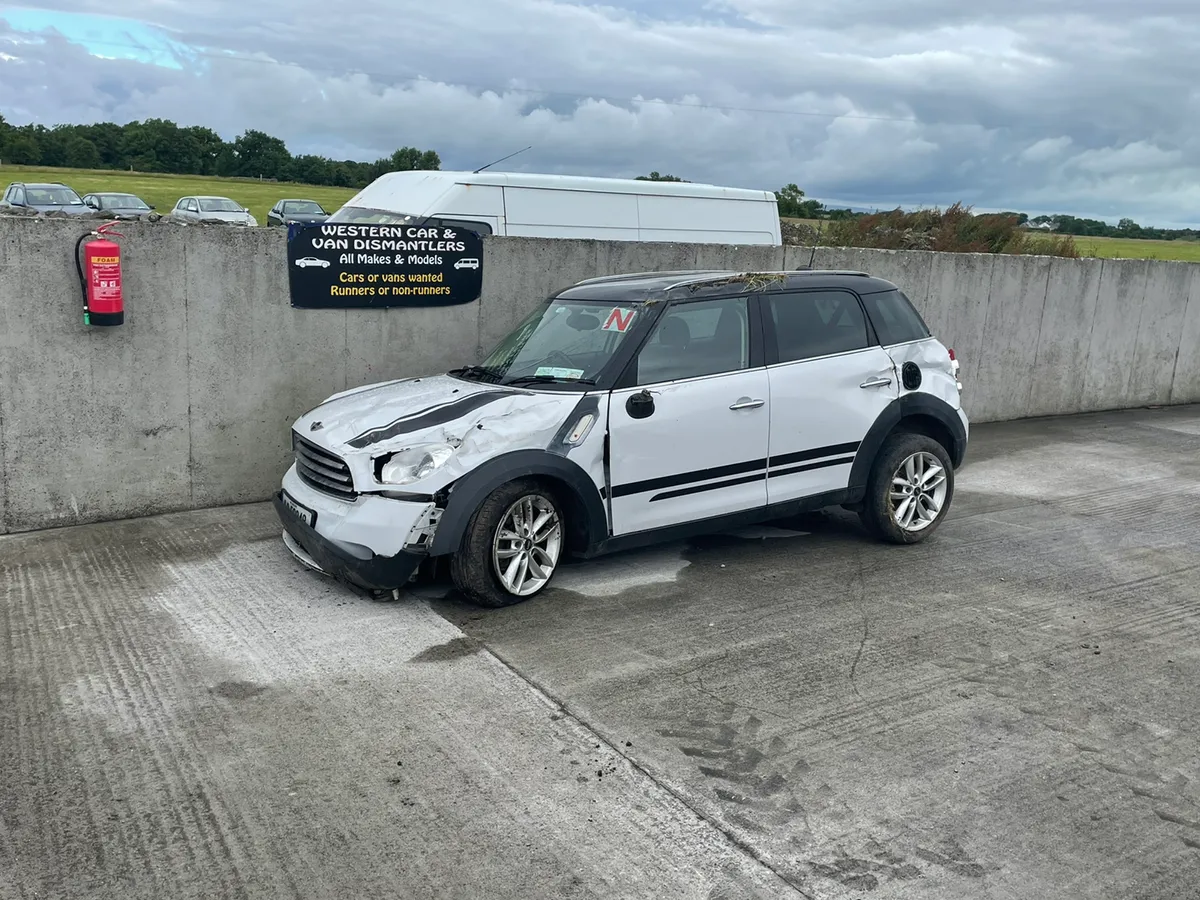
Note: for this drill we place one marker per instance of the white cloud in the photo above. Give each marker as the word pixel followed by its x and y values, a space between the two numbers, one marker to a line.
pixel 1086 107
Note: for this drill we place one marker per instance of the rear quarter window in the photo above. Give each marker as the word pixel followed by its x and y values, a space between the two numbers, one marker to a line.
pixel 895 319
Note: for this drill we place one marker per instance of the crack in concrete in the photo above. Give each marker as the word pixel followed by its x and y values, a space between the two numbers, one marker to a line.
pixel 861 645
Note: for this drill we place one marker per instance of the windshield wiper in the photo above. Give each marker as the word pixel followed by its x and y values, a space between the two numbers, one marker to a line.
pixel 476 371
pixel 548 379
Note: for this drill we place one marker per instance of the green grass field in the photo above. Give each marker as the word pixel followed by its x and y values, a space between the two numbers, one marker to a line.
pixel 1125 248
pixel 163 191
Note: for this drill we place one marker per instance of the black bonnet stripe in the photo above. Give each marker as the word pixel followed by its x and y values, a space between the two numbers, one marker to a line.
pixel 429 417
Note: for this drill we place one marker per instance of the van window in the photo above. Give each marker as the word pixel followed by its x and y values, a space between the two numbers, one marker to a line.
pixel 895 319
pixel 480 228
pixel 361 215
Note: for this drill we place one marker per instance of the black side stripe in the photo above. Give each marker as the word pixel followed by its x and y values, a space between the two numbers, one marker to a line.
pixel 700 488
pixel 753 465
pixel 816 453
pixel 669 481
pixel 823 464
pixel 427 418
pixel 761 476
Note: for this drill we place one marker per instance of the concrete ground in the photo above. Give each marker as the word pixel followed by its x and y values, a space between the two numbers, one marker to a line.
pixel 1006 711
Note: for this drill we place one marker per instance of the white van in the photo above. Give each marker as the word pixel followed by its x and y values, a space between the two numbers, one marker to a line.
pixel 567 206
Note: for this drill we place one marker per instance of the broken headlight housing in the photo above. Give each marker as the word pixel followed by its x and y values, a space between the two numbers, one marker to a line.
pixel 412 464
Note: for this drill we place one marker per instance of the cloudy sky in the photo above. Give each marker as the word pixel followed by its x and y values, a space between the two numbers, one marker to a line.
pixel 1081 106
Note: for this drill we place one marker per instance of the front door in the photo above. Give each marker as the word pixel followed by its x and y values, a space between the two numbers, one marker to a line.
pixel 828 386
pixel 689 440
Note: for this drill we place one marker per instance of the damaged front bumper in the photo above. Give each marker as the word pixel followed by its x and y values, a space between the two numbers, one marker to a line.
pixel 378 573
pixel 372 544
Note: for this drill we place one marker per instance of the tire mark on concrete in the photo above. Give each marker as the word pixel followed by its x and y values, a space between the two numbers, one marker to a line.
pixel 1010 680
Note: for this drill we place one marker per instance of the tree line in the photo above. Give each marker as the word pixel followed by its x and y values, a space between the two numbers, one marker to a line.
pixel 160 145
pixel 1125 228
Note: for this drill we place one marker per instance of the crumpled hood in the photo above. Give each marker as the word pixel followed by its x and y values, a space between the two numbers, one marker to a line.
pixel 480 420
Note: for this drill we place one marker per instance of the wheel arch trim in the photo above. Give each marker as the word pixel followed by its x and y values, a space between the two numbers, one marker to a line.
pixel 913 406
pixel 472 489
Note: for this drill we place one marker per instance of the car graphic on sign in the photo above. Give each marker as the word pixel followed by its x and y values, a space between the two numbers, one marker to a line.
pixel 467 264
pixel 312 261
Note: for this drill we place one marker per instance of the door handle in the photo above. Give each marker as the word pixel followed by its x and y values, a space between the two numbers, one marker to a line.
pixel 747 403
pixel 876 382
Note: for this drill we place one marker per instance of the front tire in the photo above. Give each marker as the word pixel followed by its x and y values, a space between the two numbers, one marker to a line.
pixel 511 547
pixel 910 489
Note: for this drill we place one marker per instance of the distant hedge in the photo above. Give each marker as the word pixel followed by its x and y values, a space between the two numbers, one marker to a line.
pixel 955 230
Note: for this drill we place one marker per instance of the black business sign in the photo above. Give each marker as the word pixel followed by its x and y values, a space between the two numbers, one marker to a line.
pixel 334 266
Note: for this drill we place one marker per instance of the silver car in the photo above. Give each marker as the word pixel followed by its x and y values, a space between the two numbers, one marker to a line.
pixel 213 209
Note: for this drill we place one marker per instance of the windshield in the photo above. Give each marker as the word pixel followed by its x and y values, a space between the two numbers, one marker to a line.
pixel 360 215
pixel 122 201
pixel 220 204
pixel 52 196
pixel 302 206
pixel 567 341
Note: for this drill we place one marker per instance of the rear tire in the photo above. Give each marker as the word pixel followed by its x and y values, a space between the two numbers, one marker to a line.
pixel 910 489
pixel 511 547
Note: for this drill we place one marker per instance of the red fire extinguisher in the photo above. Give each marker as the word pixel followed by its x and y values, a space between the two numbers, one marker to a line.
pixel 100 278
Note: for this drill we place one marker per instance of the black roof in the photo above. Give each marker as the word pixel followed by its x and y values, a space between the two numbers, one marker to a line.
pixel 669 285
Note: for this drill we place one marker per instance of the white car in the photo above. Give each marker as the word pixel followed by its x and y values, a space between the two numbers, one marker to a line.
pixel 213 209
pixel 627 410
pixel 307 261
pixel 467 264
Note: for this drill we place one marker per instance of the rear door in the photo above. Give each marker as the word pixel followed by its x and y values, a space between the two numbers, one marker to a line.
pixel 688 440
pixel 829 382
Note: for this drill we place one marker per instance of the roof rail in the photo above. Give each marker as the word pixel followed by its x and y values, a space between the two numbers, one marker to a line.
pixel 660 273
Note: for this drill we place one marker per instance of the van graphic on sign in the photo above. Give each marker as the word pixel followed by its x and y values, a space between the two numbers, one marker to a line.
pixel 467 264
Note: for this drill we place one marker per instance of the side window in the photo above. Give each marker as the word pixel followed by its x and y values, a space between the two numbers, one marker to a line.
pixel 817 323
pixel 193 206
pixel 694 339
pixel 895 319
pixel 18 196
pixel 480 228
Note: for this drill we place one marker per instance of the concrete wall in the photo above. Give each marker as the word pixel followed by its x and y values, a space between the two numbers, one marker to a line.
pixel 189 403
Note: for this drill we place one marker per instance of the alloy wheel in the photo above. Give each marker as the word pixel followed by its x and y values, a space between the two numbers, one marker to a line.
pixel 526 547
pixel 918 491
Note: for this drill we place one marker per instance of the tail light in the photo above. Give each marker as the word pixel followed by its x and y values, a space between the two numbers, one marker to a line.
pixel 954 367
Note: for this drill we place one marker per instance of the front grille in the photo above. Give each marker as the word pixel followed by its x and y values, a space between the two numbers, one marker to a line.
pixel 322 470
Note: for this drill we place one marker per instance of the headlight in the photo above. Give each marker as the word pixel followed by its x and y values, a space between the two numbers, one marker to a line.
pixel 407 466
